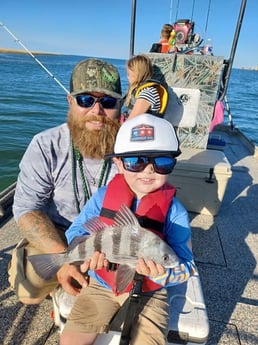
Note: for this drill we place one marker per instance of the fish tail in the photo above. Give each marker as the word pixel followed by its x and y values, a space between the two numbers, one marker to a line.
pixel 47 265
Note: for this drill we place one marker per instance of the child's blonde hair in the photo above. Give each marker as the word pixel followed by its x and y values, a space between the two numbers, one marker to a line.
pixel 142 67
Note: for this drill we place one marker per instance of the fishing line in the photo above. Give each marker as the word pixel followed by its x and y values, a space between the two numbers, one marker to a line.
pixel 170 11
pixel 177 9
pixel 34 57
pixel 193 10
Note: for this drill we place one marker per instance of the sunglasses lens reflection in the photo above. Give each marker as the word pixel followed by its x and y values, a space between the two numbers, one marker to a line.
pixel 88 101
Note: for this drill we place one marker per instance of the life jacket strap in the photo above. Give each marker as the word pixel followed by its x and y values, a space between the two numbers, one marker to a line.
pixel 162 90
pixel 134 299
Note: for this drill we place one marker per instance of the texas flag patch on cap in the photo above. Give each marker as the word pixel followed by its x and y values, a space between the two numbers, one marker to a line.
pixel 142 132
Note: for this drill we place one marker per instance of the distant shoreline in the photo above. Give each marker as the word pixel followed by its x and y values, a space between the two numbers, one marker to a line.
pixel 17 51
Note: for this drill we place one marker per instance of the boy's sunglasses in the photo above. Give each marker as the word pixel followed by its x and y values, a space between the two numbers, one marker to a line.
pixel 161 165
pixel 88 101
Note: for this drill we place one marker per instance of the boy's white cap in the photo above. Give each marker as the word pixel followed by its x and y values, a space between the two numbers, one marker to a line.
pixel 146 134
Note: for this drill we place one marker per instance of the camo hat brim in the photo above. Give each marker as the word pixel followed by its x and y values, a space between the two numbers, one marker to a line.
pixel 93 75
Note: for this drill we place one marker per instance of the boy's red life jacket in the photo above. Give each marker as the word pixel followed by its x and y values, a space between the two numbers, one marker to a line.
pixel 151 213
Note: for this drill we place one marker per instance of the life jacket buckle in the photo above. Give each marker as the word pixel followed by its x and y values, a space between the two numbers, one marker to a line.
pixel 136 291
pixel 112 266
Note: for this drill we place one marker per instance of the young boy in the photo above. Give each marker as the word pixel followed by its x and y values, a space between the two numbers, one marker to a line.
pixel 164 37
pixel 145 151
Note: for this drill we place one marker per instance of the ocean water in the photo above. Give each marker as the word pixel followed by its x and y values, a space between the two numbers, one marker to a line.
pixel 31 101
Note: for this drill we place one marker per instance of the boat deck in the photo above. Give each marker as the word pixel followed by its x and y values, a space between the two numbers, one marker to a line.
pixel 225 249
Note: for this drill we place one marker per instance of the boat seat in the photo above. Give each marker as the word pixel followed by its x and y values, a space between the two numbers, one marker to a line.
pixel 183 105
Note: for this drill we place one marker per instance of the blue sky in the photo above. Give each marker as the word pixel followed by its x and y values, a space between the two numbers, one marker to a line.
pixel 101 28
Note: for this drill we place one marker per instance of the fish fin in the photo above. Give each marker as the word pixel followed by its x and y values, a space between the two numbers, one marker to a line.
pixel 124 276
pixel 125 216
pixel 94 225
pixel 47 265
pixel 76 241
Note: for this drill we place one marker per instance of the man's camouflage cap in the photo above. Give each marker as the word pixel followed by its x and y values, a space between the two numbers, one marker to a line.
pixel 93 75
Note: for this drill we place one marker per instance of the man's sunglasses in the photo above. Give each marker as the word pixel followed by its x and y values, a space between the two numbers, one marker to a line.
pixel 88 101
pixel 161 165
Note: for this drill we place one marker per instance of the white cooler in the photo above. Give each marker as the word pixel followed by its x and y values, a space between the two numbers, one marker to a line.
pixel 200 177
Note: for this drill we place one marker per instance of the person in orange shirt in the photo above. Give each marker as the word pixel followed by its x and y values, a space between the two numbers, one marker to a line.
pixel 164 37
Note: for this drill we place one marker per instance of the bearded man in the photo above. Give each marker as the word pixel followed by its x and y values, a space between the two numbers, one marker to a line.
pixel 61 168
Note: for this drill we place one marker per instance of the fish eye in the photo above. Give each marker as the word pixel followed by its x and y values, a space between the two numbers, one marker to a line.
pixel 165 257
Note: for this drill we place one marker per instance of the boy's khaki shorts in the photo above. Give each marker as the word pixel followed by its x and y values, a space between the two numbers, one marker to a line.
pixel 95 306
pixel 22 277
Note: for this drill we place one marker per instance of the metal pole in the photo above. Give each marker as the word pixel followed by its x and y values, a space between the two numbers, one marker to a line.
pixel 34 57
pixel 229 62
pixel 132 36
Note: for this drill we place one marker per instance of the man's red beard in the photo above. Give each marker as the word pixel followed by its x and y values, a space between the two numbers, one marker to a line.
pixel 93 143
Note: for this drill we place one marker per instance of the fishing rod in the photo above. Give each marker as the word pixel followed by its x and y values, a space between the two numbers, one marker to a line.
pixel 170 11
pixel 207 20
pixel 34 57
pixel 193 10
pixel 177 7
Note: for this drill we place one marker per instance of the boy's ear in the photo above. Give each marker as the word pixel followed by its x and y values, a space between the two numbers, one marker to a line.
pixel 119 164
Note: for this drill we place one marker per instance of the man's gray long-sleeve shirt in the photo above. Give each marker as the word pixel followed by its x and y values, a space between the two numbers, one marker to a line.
pixel 45 182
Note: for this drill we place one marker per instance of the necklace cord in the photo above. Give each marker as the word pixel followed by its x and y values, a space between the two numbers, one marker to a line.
pixel 77 157
pixel 74 178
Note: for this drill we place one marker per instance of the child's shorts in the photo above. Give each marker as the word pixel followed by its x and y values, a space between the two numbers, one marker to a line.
pixel 96 305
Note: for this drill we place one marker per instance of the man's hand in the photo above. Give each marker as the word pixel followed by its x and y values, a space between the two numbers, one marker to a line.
pixel 70 272
pixel 66 275
pixel 149 268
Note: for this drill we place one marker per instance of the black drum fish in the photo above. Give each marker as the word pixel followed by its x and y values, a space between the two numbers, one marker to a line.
pixel 123 243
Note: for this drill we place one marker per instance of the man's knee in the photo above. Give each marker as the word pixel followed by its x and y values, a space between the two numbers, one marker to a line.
pixel 26 300
pixel 28 286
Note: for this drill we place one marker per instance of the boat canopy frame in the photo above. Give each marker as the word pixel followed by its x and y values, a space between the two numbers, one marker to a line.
pixel 228 63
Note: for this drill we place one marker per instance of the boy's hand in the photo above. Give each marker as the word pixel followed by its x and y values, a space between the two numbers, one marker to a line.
pixel 97 262
pixel 149 268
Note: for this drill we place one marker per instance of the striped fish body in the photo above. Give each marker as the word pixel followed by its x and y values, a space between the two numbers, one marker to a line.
pixel 123 243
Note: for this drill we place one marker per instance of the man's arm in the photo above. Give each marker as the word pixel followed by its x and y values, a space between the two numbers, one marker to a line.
pixel 40 231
